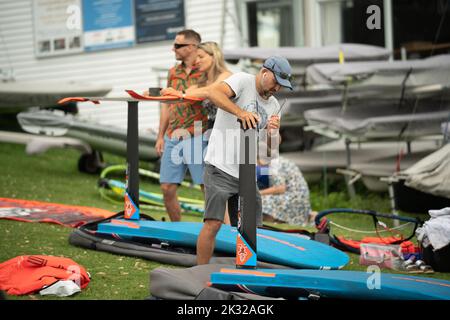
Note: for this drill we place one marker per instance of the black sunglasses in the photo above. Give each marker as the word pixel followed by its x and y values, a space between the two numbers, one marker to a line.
pixel 181 45
pixel 282 75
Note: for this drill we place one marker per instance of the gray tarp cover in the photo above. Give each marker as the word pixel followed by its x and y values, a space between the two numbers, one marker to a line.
pixel 309 55
pixel 318 161
pixel 56 119
pixel 386 166
pixel 45 93
pixel 377 120
pixel 433 70
pixel 101 137
pixel 431 174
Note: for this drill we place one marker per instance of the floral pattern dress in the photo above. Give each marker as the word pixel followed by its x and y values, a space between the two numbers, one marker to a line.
pixel 292 206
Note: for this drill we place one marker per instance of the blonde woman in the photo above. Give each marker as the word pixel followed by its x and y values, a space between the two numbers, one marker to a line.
pixel 211 63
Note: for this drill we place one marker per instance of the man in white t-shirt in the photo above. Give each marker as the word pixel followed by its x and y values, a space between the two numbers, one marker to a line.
pixel 250 99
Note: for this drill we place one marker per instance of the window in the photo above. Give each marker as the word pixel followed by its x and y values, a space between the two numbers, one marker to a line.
pixel 270 23
pixel 421 28
pixel 344 21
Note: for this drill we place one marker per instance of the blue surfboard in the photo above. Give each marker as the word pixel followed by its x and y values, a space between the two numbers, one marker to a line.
pixel 335 284
pixel 281 248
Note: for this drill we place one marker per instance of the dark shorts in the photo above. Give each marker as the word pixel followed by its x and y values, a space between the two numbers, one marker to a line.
pixel 221 187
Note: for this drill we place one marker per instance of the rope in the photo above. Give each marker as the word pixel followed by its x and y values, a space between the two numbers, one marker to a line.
pixel 366 231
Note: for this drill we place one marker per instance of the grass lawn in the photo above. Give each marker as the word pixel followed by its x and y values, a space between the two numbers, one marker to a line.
pixel 54 177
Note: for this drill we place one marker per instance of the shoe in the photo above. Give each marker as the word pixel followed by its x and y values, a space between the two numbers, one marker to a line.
pixel 407 265
pixel 426 269
pixel 420 263
pixel 409 261
pixel 413 268
pixel 419 267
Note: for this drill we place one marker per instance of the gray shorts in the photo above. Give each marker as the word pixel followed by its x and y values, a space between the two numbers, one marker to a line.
pixel 219 188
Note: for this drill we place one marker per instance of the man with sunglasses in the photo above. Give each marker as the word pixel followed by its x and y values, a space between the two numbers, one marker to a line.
pixel 250 99
pixel 178 144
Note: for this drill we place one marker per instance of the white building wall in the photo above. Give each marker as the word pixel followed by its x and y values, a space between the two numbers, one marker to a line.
pixel 127 68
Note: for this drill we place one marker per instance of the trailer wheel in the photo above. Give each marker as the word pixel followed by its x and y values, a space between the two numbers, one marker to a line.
pixel 91 163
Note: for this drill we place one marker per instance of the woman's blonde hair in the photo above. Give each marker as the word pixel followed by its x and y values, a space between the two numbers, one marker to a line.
pixel 218 65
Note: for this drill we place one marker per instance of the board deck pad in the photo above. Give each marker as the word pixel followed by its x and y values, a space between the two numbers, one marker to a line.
pixel 335 284
pixel 275 247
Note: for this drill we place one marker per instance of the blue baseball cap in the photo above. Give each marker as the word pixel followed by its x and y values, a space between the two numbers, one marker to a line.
pixel 281 69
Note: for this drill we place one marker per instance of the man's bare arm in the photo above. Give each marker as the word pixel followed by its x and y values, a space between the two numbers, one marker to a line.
pixel 195 91
pixel 163 119
pixel 220 95
pixel 274 190
pixel 273 133
pixel 163 124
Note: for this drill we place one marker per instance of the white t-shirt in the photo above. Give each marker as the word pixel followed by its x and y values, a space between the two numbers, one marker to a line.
pixel 223 146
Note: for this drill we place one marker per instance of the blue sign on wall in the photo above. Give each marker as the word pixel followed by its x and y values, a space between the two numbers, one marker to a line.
pixel 108 24
pixel 158 20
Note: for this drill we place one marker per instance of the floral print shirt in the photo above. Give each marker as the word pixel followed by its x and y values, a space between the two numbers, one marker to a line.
pixel 183 115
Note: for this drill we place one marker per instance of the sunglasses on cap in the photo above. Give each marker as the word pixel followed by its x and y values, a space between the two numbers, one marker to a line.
pixel 282 75
pixel 181 45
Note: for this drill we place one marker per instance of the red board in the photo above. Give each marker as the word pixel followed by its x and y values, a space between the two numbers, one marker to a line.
pixel 134 96
pixel 137 96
